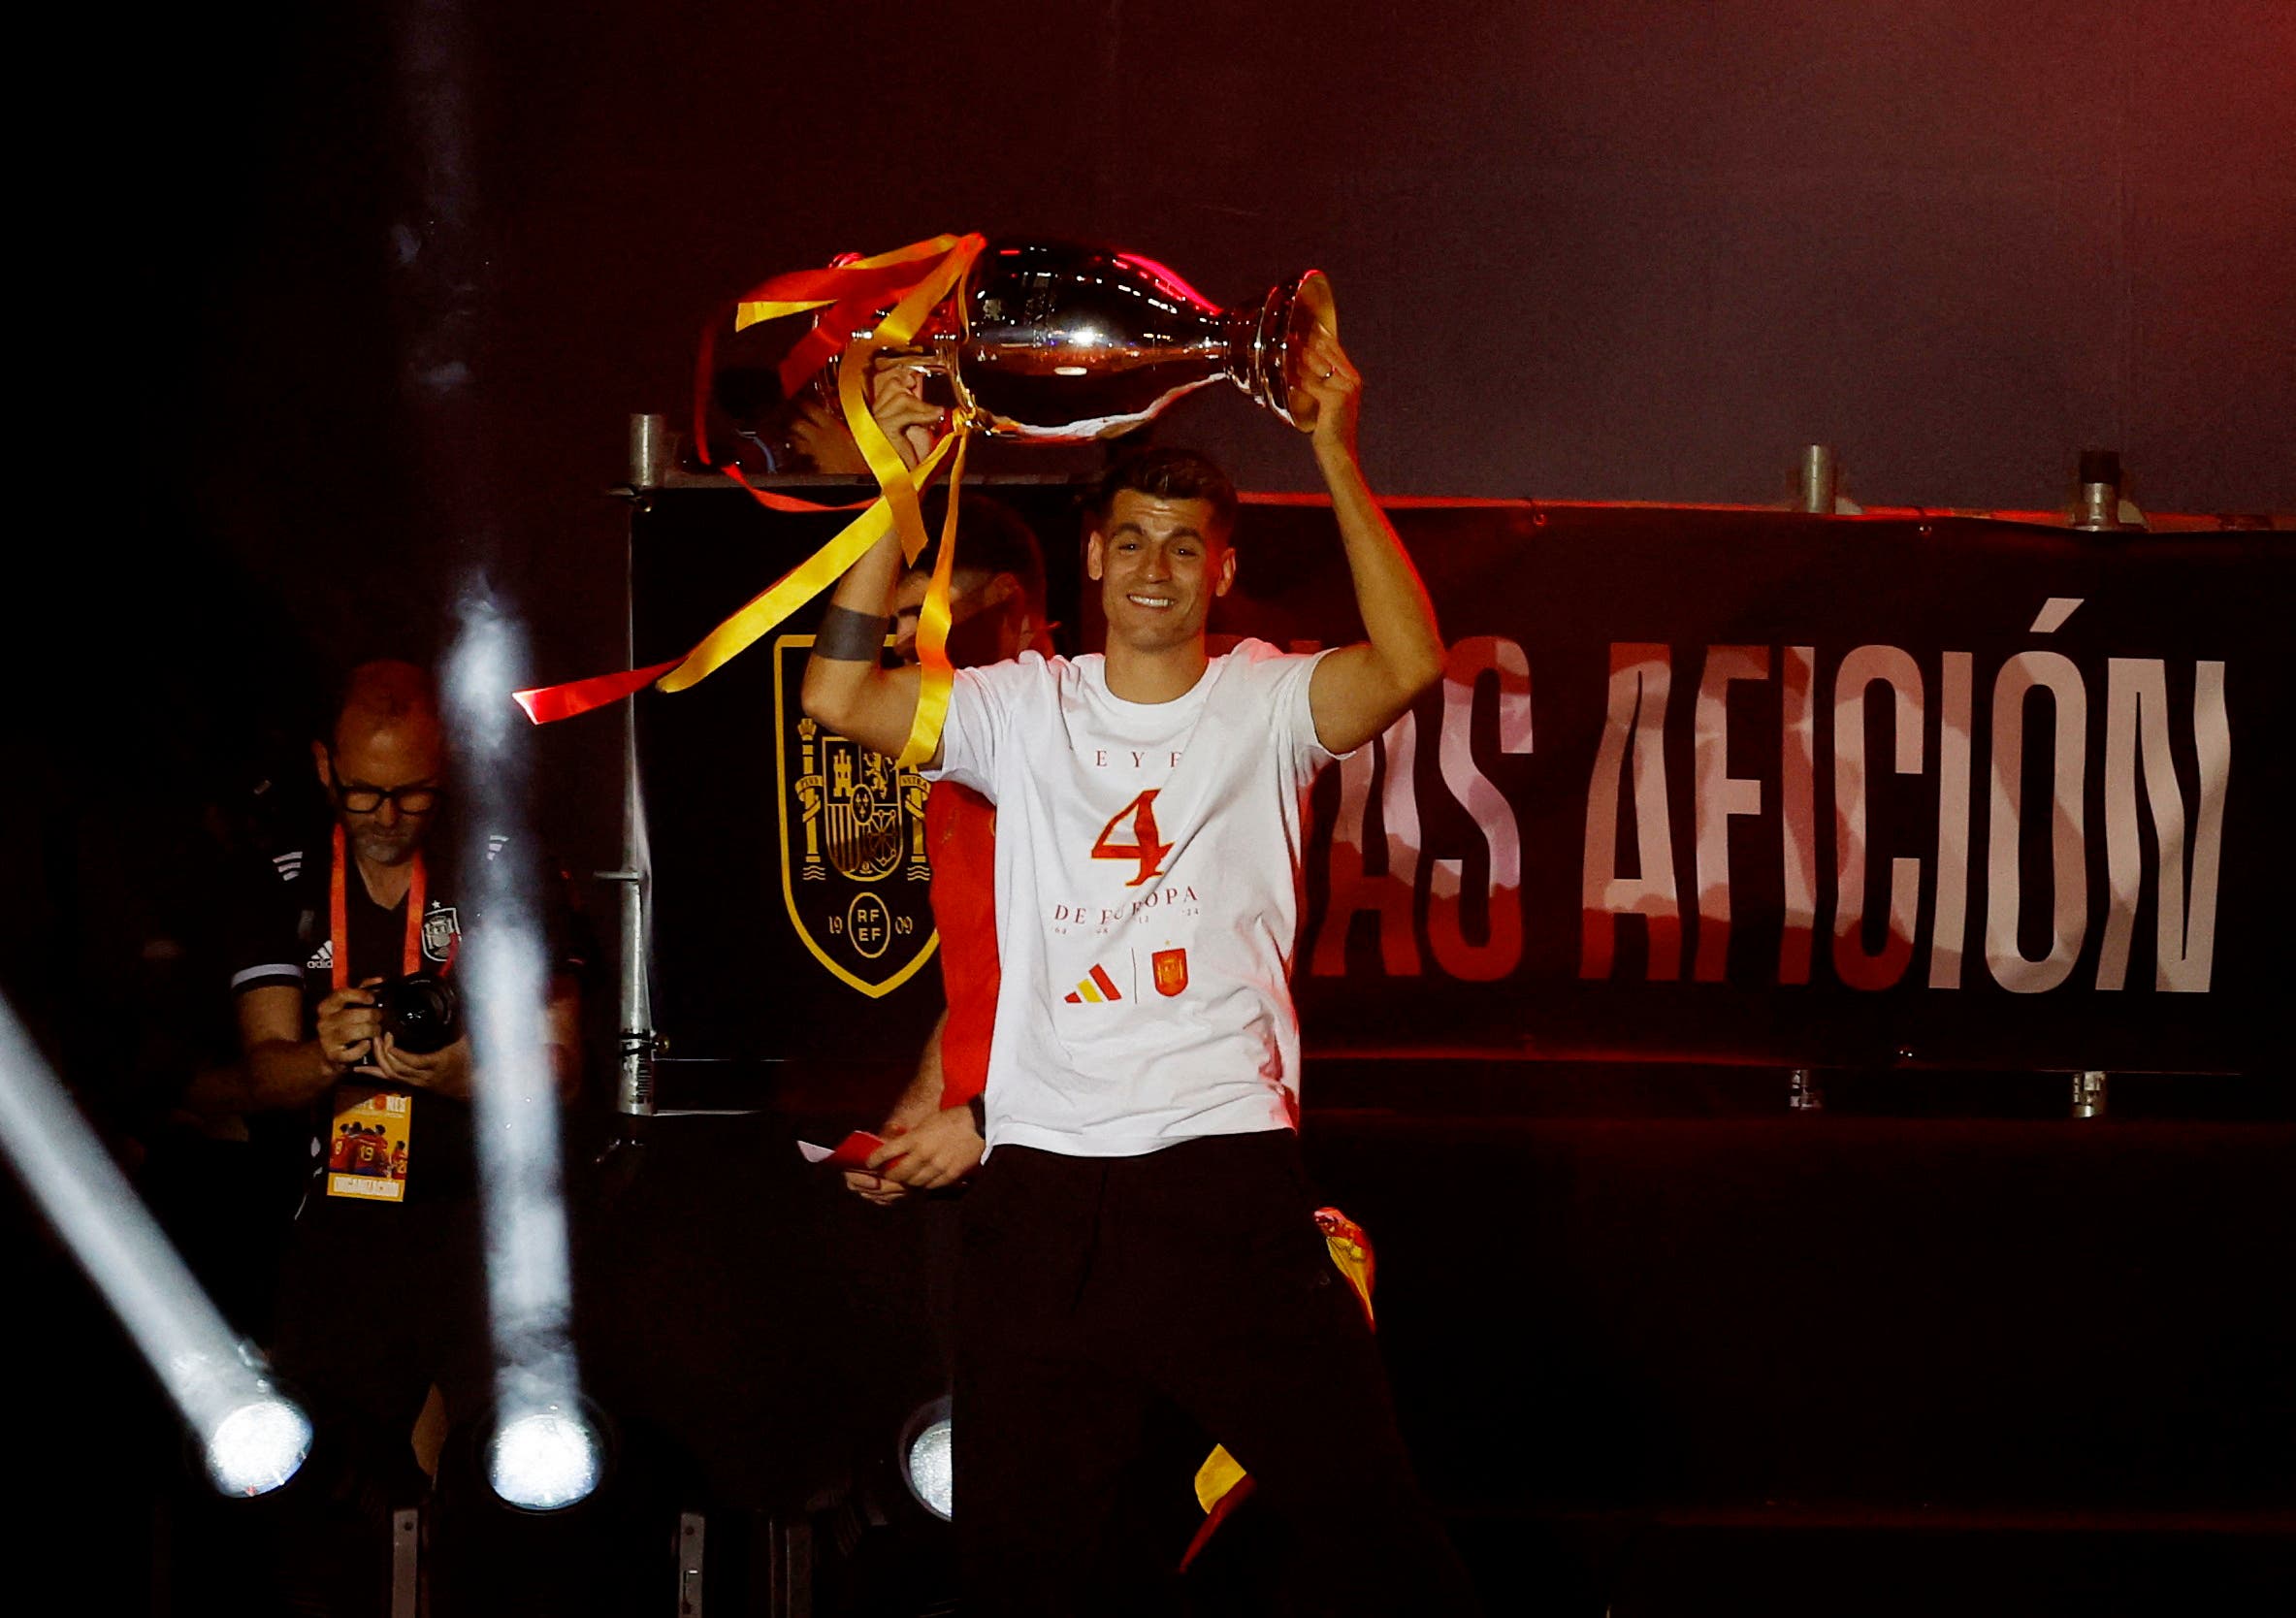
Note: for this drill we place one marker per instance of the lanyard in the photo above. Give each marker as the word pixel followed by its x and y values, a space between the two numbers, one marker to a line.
pixel 339 930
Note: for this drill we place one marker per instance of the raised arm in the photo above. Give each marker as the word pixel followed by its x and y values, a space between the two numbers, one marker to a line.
pixel 1360 690
pixel 847 688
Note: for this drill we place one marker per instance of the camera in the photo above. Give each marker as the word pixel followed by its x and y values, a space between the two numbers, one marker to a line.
pixel 422 1013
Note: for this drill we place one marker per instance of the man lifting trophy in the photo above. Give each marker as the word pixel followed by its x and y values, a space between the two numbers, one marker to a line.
pixel 1141 1227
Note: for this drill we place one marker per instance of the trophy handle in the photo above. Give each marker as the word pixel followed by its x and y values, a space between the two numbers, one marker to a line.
pixel 1309 304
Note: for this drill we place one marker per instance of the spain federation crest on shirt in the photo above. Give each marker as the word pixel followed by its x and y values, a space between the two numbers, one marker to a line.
pixel 1170 968
pixel 442 930
pixel 853 870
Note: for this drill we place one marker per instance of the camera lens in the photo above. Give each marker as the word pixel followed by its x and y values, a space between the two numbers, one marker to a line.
pixel 421 1014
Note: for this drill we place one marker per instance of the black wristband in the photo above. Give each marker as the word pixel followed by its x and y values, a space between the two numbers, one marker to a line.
pixel 849 636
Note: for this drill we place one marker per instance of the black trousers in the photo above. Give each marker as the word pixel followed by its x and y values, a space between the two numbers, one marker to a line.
pixel 1092 1287
pixel 376 1303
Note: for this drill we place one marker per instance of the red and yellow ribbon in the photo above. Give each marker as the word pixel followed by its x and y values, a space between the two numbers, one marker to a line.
pixel 936 679
pixel 918 277
pixel 897 330
pixel 849 295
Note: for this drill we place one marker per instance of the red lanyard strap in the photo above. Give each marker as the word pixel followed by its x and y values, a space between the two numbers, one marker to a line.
pixel 338 913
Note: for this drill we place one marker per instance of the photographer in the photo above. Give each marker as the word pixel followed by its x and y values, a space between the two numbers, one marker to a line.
pixel 307 1015
pixel 342 978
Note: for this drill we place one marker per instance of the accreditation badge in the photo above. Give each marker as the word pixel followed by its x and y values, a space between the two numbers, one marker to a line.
pixel 366 1143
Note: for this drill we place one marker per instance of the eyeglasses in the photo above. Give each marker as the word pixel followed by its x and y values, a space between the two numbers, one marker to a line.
pixel 356 798
pixel 366 801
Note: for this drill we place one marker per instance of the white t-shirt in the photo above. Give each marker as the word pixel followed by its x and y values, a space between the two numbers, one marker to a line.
pixel 1147 896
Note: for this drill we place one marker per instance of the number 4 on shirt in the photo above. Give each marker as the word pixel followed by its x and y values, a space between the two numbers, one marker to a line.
pixel 1139 817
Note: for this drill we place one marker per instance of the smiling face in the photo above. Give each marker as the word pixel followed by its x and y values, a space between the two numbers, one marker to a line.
pixel 1160 563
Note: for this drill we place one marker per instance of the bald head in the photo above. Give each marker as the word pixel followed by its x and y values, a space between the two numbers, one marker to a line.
pixel 383 759
pixel 384 695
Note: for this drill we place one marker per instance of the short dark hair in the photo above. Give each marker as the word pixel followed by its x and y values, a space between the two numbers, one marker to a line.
pixel 1171 475
pixel 991 538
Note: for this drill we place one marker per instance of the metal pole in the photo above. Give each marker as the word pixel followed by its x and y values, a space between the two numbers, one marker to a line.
pixel 791 1575
pixel 633 1087
pixel 406 1535
pixel 691 1538
pixel 1821 480
pixel 2097 507
pixel 649 451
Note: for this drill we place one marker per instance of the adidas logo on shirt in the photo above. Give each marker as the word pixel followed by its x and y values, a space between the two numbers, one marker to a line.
pixel 1096 990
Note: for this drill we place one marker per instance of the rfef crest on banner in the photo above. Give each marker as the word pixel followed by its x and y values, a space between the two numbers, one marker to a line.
pixel 853 872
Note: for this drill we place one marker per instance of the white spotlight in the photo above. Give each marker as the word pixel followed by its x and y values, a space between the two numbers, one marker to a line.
pixel 258 1446
pixel 545 1454
pixel 545 1460
pixel 927 1461
pixel 253 1437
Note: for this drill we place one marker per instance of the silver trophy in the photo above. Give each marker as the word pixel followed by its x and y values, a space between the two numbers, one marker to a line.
pixel 1059 343
pixel 1047 342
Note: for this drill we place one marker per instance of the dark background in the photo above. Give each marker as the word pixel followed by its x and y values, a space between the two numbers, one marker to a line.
pixel 1629 251
pixel 1583 251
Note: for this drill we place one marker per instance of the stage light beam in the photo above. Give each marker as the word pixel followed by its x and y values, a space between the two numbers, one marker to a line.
pixel 543 1454
pixel 253 1437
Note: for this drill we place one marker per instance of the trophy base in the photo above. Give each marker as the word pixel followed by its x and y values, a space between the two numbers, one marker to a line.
pixel 1276 354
